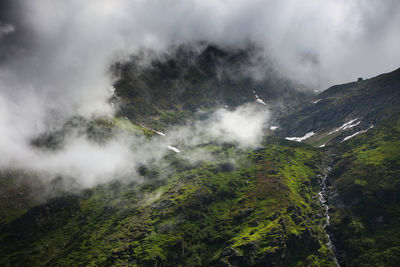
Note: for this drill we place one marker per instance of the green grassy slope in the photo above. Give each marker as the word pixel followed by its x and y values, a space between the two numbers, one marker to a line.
pixel 365 218
pixel 261 210
pixel 241 208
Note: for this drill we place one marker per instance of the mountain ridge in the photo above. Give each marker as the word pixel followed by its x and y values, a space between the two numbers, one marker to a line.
pixel 245 207
pixel 365 102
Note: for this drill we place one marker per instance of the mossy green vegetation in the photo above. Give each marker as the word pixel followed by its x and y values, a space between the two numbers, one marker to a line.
pixel 19 192
pixel 365 219
pixel 234 207
pixel 261 209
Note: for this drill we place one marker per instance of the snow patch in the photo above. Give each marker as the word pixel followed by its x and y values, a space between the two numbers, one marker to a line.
pixel 154 131
pixel 160 133
pixel 173 148
pixel 300 139
pixel 357 133
pixel 347 125
pixel 273 128
pixel 259 100
pixel 316 101
pixel 351 136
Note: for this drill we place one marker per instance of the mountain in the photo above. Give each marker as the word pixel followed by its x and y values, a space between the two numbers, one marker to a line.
pixel 358 126
pixel 365 195
pixel 343 110
pixel 256 212
pixel 295 200
pixel 164 89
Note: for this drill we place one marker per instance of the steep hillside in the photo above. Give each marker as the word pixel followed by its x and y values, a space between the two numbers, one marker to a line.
pixel 343 110
pixel 260 206
pixel 365 195
pixel 161 90
pixel 262 210
pixel 358 124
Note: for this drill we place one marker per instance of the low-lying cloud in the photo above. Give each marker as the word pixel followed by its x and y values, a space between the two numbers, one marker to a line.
pixel 243 126
pixel 90 163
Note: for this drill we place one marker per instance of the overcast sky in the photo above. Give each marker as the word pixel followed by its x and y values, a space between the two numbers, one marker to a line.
pixel 323 42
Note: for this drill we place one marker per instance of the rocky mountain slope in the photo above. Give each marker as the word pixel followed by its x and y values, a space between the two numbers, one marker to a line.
pixel 164 89
pixel 262 210
pixel 343 110
pixel 358 127
pixel 365 195
pixel 243 207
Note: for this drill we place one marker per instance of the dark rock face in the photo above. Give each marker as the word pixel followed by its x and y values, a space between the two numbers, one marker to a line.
pixel 369 101
pixel 176 84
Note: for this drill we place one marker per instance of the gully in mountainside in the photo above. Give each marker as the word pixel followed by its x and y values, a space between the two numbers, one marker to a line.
pixel 322 196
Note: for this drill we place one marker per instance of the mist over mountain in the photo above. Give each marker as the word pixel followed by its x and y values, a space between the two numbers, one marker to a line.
pixel 199 76
pixel 199 133
pixel 56 56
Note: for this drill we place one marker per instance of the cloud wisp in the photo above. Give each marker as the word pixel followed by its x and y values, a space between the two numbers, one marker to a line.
pixel 89 163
